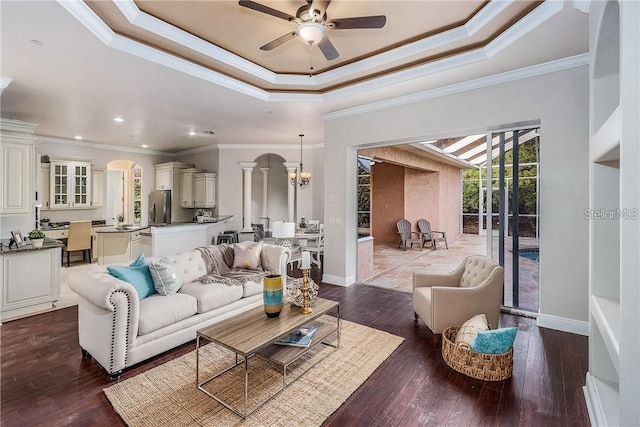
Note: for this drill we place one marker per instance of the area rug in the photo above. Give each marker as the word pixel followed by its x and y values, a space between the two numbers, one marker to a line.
pixel 167 395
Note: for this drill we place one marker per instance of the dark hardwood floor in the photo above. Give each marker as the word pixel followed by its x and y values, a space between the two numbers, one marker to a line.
pixel 45 381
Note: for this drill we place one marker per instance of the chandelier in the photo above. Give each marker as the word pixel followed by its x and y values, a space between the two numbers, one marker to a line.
pixel 301 178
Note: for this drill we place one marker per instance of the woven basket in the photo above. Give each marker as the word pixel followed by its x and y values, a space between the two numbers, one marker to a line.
pixel 486 367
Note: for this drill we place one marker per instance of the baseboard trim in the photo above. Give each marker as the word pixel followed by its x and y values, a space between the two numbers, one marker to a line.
pixel 338 280
pixel 592 400
pixel 563 324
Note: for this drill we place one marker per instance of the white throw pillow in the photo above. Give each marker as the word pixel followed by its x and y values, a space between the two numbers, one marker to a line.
pixel 470 329
pixel 167 280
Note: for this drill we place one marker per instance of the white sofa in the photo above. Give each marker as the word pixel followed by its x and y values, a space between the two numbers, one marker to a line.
pixel 119 330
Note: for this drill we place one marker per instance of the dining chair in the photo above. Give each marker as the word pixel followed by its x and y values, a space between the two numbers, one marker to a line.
pixel 314 244
pixel 79 239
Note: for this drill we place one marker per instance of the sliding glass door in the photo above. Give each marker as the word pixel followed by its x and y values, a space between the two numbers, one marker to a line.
pixel 511 216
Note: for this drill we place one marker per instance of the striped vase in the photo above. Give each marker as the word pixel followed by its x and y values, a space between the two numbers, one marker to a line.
pixel 272 295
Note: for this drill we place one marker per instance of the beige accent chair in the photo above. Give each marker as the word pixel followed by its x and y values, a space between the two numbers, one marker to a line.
pixel 449 299
pixel 79 239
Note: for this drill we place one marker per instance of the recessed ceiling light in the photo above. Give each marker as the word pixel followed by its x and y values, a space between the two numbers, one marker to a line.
pixel 208 132
pixel 78 137
pixel 35 42
pixel 191 133
pixel 118 119
pixel 144 146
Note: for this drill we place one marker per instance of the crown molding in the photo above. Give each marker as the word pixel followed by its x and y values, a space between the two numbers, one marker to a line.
pixel 421 47
pixel 4 82
pixel 263 147
pixel 582 5
pixel 91 21
pixel 146 22
pixel 509 76
pixel 87 144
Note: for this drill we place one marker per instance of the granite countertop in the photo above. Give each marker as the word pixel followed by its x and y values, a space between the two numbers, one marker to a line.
pixel 48 244
pixel 62 225
pixel 211 220
pixel 123 229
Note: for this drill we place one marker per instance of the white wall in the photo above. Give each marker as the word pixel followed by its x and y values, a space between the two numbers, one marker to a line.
pixel 559 101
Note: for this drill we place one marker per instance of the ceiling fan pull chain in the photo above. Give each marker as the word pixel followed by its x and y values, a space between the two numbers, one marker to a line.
pixel 310 62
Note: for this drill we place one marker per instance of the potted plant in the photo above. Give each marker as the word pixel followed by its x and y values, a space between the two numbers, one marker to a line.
pixel 44 222
pixel 303 222
pixel 37 238
pixel 200 214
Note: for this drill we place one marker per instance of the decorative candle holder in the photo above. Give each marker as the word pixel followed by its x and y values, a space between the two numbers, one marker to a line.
pixel 306 301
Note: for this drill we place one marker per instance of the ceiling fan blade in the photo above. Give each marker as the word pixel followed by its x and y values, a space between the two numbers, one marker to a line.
pixel 320 6
pixel 279 41
pixel 328 49
pixel 266 9
pixel 377 21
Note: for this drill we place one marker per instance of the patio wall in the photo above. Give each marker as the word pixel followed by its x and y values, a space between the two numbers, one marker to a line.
pixel 425 188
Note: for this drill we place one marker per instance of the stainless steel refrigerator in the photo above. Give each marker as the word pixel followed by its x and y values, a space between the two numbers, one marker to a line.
pixel 160 207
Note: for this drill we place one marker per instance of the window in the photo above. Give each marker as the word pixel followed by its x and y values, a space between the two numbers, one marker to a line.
pixel 137 194
pixel 364 197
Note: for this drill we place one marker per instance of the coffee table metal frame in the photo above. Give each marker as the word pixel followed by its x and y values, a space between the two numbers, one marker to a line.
pixel 253 334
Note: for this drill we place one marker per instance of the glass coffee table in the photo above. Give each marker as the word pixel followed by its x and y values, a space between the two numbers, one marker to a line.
pixel 252 334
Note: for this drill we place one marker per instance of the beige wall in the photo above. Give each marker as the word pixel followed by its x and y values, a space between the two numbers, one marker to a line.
pixel 387 201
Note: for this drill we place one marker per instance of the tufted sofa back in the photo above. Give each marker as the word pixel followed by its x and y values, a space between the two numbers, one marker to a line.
pixel 476 269
pixel 190 264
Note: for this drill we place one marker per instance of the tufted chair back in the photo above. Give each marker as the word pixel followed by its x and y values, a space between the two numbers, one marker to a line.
pixel 476 270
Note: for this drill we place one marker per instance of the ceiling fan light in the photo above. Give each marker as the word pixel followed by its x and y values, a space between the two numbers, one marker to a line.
pixel 311 32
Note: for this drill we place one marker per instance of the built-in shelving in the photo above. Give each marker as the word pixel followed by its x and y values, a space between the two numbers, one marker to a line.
pixel 612 388
pixel 606 313
pixel 605 143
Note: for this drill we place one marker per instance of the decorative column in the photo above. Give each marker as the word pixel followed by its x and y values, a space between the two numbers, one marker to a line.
pixel 291 190
pixel 247 168
pixel 265 185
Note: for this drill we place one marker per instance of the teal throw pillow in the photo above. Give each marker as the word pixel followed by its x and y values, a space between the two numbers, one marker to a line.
pixel 495 341
pixel 137 273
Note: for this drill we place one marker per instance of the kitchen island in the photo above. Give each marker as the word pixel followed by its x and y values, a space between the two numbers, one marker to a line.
pixel 182 236
pixel 29 278
pixel 118 244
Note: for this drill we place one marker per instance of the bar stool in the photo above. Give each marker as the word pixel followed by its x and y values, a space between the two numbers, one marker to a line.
pixel 229 236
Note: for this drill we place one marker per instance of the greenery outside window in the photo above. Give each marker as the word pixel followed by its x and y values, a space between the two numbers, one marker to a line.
pixel 364 197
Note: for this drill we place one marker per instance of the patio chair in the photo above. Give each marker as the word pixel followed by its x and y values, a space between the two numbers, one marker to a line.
pixel 429 235
pixel 407 236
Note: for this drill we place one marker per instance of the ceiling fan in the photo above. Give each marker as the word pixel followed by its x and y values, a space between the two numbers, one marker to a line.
pixel 313 23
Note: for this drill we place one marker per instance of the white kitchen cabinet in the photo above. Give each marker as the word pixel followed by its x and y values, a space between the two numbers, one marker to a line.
pixel 164 178
pixel 25 289
pixel 70 184
pixel 44 191
pixel 204 185
pixel 18 176
pixel 168 176
pixel 97 187
pixel 187 194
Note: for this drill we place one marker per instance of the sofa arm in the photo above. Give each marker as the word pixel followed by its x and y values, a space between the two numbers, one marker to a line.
pixel 98 288
pixel 108 313
pixel 274 258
